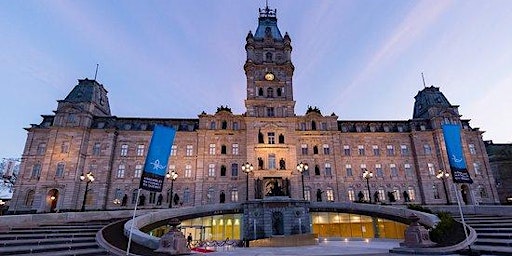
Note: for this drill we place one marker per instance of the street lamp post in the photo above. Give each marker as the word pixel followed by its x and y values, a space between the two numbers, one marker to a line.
pixel 172 176
pixel 88 178
pixel 302 167
pixel 247 168
pixel 443 176
pixel 368 175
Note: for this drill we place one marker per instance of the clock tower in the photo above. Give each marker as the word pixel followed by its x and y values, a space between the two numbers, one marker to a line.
pixel 269 69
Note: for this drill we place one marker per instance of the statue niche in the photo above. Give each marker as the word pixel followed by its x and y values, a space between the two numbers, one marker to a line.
pixel 277 187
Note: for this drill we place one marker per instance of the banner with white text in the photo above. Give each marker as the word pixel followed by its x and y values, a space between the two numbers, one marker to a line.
pixel 453 144
pixel 155 167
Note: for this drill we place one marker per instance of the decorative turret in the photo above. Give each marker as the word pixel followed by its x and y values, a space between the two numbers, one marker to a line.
pixel 432 104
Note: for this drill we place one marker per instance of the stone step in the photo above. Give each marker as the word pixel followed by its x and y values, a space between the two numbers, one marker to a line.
pixel 494 250
pixel 58 228
pixel 491 241
pixel 49 249
pixel 79 252
pixel 46 231
pixel 493 230
pixel 495 235
pixel 490 225
pixel 44 236
pixel 7 243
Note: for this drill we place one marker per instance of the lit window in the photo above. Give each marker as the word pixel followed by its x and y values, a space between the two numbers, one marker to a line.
pixel 188 171
pixel 271 138
pixel 382 195
pixel 307 194
pixel 174 150
pixel 124 150
pixel 212 149
pixel 211 170
pixel 472 149
pixel 120 171
pixel 351 195
pixel 140 150
pixel 412 194
pixel 235 149
pixel 138 171
pixel 396 192
pixel 329 193
pixel 189 150
pixel 234 195
pixel 431 169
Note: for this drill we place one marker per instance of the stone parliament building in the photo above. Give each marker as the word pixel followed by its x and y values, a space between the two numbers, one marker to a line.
pixel 209 151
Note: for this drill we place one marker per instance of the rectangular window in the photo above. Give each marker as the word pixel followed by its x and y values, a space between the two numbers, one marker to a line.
pixel 212 149
pixel 435 191
pixel 382 195
pixel 390 150
pixel 188 171
pixel 327 151
pixel 234 170
pixel 302 126
pixel 235 149
pixel 140 150
pixel 64 147
pixel 304 149
pixel 152 197
pixel 211 170
pixel 323 126
pixel 234 195
pixel 272 161
pixel 124 150
pixel 60 170
pixel 476 167
pixel 174 150
pixel 41 149
pixel 346 150
pixel 360 150
pixel 427 149
pixel 412 194
pixel 307 194
pixel 138 171
pixel 404 150
pixel 271 138
pixel 472 149
pixel 120 171
pixel 351 195
pixel 348 167
pixel 408 170
pixel 189 150
pixel 328 170
pixel 96 149
pixel 431 169
pixel 270 112
pixel 376 150
pixel 378 170
pixel 235 126
pixel 394 170
pixel 330 195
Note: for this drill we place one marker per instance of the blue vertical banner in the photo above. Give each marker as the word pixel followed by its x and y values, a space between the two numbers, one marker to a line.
pixel 453 143
pixel 155 167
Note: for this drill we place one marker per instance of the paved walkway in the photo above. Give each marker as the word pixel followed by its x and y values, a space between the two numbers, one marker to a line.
pixel 325 248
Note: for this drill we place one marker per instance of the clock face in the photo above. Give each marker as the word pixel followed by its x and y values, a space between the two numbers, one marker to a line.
pixel 269 76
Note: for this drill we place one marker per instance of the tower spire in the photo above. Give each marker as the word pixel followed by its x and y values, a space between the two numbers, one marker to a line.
pixel 423 78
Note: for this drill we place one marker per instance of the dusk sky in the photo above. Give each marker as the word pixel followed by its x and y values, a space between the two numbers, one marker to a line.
pixel 360 59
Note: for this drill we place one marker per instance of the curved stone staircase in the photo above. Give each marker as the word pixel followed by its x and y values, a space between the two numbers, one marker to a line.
pixel 494 233
pixel 76 238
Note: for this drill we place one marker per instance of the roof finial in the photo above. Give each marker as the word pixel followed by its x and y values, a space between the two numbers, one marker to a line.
pixel 423 78
pixel 96 73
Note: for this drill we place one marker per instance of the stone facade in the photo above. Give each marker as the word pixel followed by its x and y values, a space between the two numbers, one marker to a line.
pixel 209 151
pixel 500 158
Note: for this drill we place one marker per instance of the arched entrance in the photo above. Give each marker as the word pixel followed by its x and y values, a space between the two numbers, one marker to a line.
pixel 277 224
pixel 464 192
pixel 52 199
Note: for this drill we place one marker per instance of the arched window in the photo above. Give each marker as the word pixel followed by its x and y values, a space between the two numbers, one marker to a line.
pixel 223 149
pixel 60 170
pixel 260 137
pixel 234 170
pixel 29 200
pixel 270 92
pixel 212 125
pixel 281 139
pixel 315 150
pixel 224 125
pixel 313 125
pixel 317 170
pixel 222 170
pixel 268 56
pixel 186 196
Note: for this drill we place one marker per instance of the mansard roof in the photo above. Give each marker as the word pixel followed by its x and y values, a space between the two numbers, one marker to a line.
pixel 427 98
pixel 84 91
pixel 267 25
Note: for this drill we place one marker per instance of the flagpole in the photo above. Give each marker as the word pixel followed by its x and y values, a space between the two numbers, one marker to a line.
pixel 461 214
pixel 133 223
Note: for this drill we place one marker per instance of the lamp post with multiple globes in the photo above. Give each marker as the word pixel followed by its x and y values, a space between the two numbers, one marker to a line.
pixel 172 176
pixel 443 176
pixel 88 178
pixel 302 167
pixel 368 175
pixel 247 168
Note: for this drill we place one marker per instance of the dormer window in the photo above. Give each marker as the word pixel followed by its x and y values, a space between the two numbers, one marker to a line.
pixel 268 56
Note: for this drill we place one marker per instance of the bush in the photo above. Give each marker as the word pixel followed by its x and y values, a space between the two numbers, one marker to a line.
pixel 447 231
